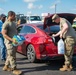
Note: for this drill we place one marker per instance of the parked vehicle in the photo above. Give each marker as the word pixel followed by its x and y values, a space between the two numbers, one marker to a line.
pixel 69 16
pixel 33 19
pixel 39 43
pixel 20 19
pixel 74 24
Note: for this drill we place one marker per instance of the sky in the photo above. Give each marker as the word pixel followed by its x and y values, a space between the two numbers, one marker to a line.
pixel 37 7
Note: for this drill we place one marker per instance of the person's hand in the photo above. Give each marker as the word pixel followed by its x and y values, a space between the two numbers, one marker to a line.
pixel 15 42
pixel 54 35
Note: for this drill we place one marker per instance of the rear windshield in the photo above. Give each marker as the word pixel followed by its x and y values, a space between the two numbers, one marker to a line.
pixel 54 28
pixel 35 18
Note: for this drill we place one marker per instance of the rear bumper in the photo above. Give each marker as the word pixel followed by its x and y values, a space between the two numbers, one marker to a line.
pixel 52 57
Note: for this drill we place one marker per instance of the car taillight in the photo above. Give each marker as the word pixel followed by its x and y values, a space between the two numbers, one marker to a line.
pixel 48 40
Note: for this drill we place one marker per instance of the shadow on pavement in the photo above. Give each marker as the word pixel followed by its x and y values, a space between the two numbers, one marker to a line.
pixel 49 65
pixel 1 65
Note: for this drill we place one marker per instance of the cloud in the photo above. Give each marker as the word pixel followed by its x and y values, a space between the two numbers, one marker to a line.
pixel 28 1
pixel 54 4
pixel 57 2
pixel 52 7
pixel 31 6
pixel 1 9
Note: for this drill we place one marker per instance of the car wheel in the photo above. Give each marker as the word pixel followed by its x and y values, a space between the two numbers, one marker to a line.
pixel 31 53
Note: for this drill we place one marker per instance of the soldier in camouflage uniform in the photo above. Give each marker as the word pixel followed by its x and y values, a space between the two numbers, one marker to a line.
pixel 68 33
pixel 8 31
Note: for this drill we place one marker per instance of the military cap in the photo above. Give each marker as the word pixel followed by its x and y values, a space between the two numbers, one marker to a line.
pixel 54 17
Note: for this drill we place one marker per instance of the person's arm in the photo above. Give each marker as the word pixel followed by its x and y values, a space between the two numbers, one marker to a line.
pixel 7 37
pixel 1 26
pixel 65 28
pixel 19 22
pixel 55 35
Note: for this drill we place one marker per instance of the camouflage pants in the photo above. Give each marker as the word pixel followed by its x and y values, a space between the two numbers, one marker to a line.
pixel 69 50
pixel 11 56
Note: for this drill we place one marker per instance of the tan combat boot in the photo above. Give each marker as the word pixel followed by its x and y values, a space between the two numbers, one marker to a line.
pixel 65 68
pixel 71 67
pixel 6 68
pixel 16 71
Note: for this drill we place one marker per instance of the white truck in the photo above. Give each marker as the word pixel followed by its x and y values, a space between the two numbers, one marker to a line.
pixel 33 19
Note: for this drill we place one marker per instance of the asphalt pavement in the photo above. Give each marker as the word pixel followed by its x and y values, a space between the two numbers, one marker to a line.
pixel 39 68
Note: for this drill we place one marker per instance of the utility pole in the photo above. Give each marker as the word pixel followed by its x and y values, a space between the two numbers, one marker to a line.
pixel 55 8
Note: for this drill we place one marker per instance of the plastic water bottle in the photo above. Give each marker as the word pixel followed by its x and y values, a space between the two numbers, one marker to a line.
pixel 61 47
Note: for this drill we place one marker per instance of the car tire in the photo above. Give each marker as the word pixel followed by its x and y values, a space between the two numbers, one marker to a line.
pixel 31 55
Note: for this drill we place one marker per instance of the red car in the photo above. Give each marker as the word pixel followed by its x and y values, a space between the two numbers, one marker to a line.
pixel 39 44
